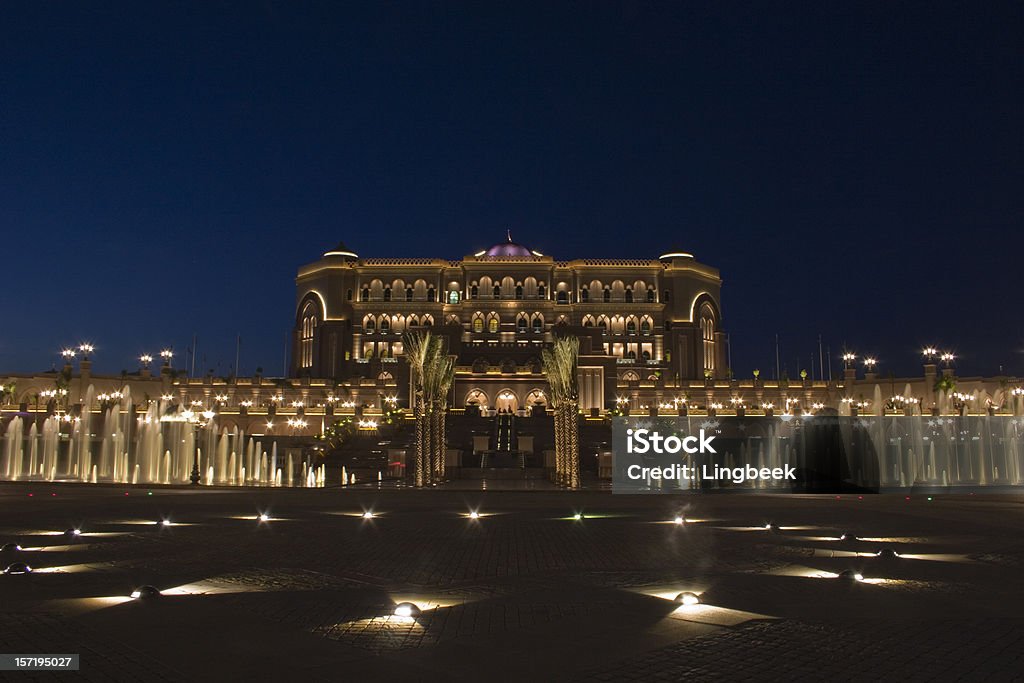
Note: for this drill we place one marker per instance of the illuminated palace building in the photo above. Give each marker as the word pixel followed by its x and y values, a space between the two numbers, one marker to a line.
pixel 642 323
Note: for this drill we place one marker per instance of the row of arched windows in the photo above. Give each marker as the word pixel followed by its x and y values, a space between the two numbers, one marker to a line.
pixel 386 324
pixel 507 288
pixel 397 290
pixel 618 324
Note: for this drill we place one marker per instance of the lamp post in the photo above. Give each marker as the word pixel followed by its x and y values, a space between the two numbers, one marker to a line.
pixel 195 422
pixel 848 357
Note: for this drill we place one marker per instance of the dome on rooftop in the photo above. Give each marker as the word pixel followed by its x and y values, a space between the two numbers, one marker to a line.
pixel 342 251
pixel 508 248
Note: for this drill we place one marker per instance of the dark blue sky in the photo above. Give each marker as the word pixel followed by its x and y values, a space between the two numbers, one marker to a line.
pixel 854 171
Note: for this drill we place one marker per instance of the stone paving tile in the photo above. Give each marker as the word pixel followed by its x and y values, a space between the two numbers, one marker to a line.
pixel 792 650
pixel 328 581
pixel 101 659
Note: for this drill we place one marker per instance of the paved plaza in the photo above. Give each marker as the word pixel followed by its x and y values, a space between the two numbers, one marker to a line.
pixel 524 592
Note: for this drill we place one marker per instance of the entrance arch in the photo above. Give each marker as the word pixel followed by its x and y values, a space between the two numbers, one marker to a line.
pixel 506 401
pixel 536 397
pixel 477 397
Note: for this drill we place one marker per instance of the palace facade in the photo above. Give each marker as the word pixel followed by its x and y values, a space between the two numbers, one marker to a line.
pixel 638 320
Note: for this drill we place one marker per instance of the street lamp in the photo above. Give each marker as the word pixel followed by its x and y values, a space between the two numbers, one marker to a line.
pixel 145 359
pixel 193 419
pixel 86 349
pixel 848 357
pixel 869 363
pixel 947 358
pixel 929 353
pixel 167 354
pixel 68 354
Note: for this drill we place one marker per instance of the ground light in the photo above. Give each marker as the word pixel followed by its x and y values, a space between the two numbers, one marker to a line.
pixel 164 522
pixel 887 553
pixel 146 592
pixel 370 515
pixel 680 521
pixel 474 515
pixel 72 532
pixel 578 516
pixel 687 598
pixel 406 609
pixel 18 568
pixel 264 517
pixel 850 575
pixel 10 548
pixel 773 527
pixel 848 536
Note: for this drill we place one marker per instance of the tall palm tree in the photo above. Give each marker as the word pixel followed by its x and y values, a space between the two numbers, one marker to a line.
pixel 420 349
pixel 560 365
pixel 433 372
pixel 438 376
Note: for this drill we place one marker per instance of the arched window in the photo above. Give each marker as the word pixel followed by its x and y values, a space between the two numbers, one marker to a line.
pixel 562 297
pixel 631 326
pixel 584 295
pixel 365 294
pixel 666 297
pixel 453 297
pixel 650 296
pixel 497 291
pixel 408 293
pixel 478 323
pixel 645 326
pixel 607 295
pixel 369 324
pixel 427 320
pixel 521 324
pixel 519 291
pixel 474 292
pixel 629 296
pixel 707 333
pixel 538 325
pixel 646 355
pixel 387 294
pixel 385 324
pixel 588 320
pixel 602 323
pixel 309 322
pixel 631 354
pixel 348 295
pixel 493 323
pixel 431 294
pixel 541 290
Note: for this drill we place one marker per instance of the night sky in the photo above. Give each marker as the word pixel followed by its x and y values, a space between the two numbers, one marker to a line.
pixel 854 171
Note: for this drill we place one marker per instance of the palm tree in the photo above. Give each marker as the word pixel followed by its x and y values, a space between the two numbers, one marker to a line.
pixel 433 372
pixel 443 370
pixel 420 349
pixel 438 376
pixel 560 365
